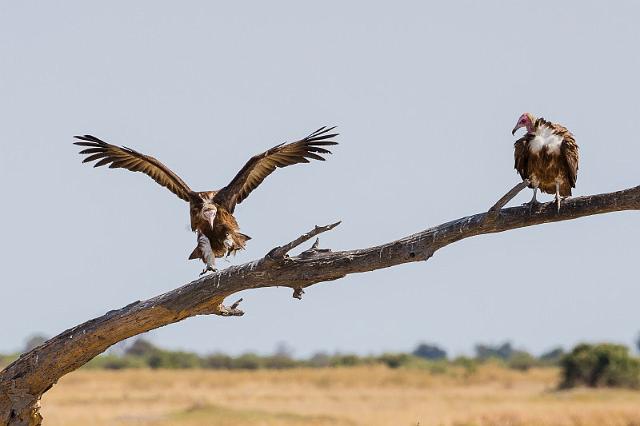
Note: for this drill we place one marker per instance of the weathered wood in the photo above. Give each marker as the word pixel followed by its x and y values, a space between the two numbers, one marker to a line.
pixel 24 381
pixel 495 209
pixel 280 252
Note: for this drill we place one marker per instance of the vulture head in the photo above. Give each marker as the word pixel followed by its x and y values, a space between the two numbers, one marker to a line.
pixel 526 120
pixel 209 213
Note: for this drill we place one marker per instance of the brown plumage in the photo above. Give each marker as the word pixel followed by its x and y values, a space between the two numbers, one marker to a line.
pixel 218 233
pixel 547 155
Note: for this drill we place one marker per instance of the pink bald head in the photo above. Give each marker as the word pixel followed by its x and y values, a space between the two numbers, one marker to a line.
pixel 526 120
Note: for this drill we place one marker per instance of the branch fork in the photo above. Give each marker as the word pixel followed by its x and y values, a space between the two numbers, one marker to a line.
pixel 278 254
pixel 494 211
pixel 281 252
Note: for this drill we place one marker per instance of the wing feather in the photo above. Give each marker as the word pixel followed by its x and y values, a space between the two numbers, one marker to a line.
pixel 262 165
pixel 127 158
pixel 521 156
pixel 569 149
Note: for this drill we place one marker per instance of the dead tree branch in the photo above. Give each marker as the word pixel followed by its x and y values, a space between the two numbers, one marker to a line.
pixel 24 381
pixel 495 209
pixel 279 253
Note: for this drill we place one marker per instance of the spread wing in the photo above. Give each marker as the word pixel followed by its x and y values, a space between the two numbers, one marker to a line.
pixel 262 165
pixel 569 149
pixel 127 158
pixel 521 156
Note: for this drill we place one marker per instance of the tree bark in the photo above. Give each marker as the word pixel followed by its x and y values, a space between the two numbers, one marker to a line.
pixel 23 382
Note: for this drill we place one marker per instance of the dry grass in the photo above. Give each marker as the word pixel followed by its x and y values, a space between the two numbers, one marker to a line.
pixel 343 396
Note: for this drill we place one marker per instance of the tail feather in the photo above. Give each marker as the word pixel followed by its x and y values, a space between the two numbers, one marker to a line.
pixel 195 254
pixel 239 241
pixel 220 249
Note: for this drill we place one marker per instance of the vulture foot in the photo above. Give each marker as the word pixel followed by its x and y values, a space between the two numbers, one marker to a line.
pixel 533 205
pixel 209 268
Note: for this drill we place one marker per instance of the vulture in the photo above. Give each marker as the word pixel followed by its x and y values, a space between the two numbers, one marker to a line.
pixel 218 233
pixel 547 155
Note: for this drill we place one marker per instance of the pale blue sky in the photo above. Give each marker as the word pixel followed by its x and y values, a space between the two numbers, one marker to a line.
pixel 425 95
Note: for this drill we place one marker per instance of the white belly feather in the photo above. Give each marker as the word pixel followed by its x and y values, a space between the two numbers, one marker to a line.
pixel 545 138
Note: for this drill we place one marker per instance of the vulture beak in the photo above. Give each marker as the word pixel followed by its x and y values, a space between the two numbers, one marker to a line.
pixel 210 216
pixel 513 132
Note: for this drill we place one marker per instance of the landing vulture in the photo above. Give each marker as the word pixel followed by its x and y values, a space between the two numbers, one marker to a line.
pixel 218 233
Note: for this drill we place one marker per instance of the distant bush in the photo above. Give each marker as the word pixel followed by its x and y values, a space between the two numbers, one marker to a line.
pixel 505 355
pixel 349 360
pixel 599 366
pixel 521 360
pixel 141 347
pixel 114 362
pixel 395 360
pixel 173 360
pixel 279 362
pixel 470 365
pixel 485 352
pixel 319 360
pixel 218 361
pixel 248 361
pixel 429 351
pixel 552 357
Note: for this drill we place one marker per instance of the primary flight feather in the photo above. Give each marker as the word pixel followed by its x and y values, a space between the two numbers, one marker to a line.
pixel 218 233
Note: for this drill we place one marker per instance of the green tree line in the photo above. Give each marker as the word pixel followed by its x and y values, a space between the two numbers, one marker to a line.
pixel 599 365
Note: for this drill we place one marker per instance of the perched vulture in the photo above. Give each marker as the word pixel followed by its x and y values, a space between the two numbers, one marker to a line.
pixel 547 155
pixel 212 211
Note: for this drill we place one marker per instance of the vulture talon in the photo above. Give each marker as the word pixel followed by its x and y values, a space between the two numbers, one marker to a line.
pixel 208 269
pixel 533 205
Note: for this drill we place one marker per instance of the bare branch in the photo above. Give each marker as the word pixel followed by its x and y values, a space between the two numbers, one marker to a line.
pixel 495 209
pixel 231 311
pixel 23 382
pixel 280 252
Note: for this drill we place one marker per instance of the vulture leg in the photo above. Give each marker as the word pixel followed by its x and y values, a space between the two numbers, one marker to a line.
pixel 534 202
pixel 558 196
pixel 207 253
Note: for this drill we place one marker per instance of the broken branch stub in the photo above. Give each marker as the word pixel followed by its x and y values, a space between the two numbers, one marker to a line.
pixel 281 251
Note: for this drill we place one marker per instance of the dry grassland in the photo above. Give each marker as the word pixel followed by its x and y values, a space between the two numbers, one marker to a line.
pixel 377 395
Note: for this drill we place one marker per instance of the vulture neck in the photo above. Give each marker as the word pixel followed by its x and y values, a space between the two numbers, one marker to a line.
pixel 532 126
